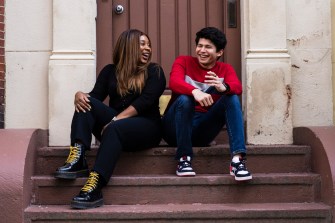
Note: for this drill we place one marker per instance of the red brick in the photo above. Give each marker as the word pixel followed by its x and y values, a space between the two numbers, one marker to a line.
pixel 2 67
pixel 2 64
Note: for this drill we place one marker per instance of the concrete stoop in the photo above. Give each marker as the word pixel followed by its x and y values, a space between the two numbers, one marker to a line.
pixel 145 188
pixel 291 183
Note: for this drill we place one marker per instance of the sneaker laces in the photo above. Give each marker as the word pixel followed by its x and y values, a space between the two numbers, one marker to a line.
pixel 184 162
pixel 74 154
pixel 241 165
pixel 92 182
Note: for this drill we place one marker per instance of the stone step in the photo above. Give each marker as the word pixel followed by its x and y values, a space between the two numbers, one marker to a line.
pixel 207 160
pixel 165 189
pixel 186 213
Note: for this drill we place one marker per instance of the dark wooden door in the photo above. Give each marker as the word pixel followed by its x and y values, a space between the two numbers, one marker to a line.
pixel 171 26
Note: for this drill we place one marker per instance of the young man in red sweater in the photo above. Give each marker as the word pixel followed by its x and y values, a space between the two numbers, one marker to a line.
pixel 204 99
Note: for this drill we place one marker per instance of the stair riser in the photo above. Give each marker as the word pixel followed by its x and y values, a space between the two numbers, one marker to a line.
pixel 184 194
pixel 70 219
pixel 134 164
pixel 268 212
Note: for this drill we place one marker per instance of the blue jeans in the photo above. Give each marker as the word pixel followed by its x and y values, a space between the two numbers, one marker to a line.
pixel 184 128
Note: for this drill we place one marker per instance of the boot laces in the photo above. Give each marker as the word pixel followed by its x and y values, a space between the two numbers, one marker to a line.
pixel 91 183
pixel 74 154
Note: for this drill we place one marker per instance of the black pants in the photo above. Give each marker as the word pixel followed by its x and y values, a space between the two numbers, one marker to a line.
pixel 129 134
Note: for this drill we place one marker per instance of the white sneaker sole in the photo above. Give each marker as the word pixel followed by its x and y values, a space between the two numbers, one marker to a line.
pixel 185 174
pixel 243 178
pixel 240 178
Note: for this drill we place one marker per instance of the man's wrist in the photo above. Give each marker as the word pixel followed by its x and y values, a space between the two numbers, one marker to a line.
pixel 227 87
pixel 223 88
pixel 194 91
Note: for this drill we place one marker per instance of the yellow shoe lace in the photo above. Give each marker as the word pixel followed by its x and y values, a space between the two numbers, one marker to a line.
pixel 74 154
pixel 91 183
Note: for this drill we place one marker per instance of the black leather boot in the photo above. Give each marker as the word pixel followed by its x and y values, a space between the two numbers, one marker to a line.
pixel 90 196
pixel 75 165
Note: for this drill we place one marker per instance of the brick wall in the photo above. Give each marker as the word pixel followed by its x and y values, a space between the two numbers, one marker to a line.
pixel 2 64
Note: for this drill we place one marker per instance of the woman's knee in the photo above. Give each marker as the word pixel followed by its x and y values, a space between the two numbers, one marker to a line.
pixel 93 101
pixel 111 129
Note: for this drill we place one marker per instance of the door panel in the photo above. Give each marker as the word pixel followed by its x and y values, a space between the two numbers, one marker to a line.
pixel 171 26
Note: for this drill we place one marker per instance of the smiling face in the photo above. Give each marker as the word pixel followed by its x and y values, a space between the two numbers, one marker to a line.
pixel 206 53
pixel 145 47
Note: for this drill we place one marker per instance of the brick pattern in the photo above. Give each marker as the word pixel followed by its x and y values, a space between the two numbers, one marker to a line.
pixel 2 64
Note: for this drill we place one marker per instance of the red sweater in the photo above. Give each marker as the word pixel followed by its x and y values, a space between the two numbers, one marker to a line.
pixel 187 75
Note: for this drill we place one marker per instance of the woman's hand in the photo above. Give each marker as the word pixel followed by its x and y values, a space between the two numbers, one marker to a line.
pixel 81 102
pixel 213 80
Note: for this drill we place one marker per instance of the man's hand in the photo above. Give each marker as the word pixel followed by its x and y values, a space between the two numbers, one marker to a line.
pixel 213 80
pixel 81 102
pixel 202 98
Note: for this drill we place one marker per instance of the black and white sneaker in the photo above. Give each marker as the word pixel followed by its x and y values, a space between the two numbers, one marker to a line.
pixel 239 170
pixel 184 168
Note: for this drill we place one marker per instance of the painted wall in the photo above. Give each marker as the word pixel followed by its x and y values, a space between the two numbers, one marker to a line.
pixel 72 63
pixel 267 73
pixel 50 53
pixel 27 49
pixel 310 47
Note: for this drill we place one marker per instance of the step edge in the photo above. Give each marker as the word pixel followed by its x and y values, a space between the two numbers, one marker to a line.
pixel 200 179
pixel 238 211
pixel 203 151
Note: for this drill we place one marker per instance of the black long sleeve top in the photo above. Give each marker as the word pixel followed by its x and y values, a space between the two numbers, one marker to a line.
pixel 146 103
